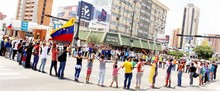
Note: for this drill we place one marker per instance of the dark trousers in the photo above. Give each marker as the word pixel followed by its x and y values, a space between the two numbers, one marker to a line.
pixel 214 74
pixel 61 69
pixel 28 61
pixel 206 77
pixel 34 65
pixel 14 53
pixel 128 77
pixel 77 72
pixel 53 65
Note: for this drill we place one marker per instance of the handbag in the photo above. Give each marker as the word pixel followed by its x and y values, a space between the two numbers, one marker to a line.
pixel 195 75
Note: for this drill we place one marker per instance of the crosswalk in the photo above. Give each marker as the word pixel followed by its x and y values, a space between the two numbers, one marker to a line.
pixel 8 74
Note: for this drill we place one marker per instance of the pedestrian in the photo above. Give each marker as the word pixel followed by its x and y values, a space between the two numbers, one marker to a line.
pixel 15 48
pixel 36 55
pixel 78 66
pixel 102 67
pixel 180 72
pixel 140 72
pixel 212 72
pixel 29 53
pixel 174 64
pixel 62 59
pixel 115 74
pixel 168 77
pixel 192 71
pixel 128 73
pixel 89 68
pixel 54 59
pixel 201 73
pixel 2 46
pixel 24 57
pixel 206 72
pixel 153 73
pixel 215 70
pixel 44 50
pixel 187 66
pixel 8 48
pixel 20 49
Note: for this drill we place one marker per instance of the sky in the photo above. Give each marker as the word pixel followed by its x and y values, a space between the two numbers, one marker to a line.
pixel 208 22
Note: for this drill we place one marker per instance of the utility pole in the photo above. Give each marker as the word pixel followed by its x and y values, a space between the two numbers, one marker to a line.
pixel 132 23
pixel 76 37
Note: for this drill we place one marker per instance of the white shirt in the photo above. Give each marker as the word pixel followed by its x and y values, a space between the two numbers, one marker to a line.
pixel 16 44
pixel 44 52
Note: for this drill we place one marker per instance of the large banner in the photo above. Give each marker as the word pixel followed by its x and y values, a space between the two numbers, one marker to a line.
pixel 67 12
pixel 86 10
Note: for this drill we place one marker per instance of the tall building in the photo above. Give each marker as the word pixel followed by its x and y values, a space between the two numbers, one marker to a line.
pixel 149 18
pixel 174 38
pixel 157 19
pixel 2 16
pixel 34 11
pixel 190 25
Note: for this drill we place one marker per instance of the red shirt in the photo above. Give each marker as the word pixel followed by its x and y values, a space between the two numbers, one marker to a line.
pixel 36 48
pixel 140 67
pixel 54 54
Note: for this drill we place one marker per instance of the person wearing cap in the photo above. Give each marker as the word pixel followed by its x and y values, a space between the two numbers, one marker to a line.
pixel 78 66
pixel 128 73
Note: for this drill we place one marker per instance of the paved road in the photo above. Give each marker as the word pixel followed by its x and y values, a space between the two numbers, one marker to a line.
pixel 14 77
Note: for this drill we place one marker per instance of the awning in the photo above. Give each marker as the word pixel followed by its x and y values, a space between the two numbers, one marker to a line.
pixel 83 35
pixel 152 46
pixel 145 44
pixel 125 40
pixel 99 35
pixel 136 43
pixel 159 47
pixel 112 38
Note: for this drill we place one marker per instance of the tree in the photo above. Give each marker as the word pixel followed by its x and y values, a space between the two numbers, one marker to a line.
pixel 178 54
pixel 204 51
pixel 93 39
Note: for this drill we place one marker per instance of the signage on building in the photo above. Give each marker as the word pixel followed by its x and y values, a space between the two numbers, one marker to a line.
pixel 24 25
pixel 112 38
pixel 86 10
pixel 163 38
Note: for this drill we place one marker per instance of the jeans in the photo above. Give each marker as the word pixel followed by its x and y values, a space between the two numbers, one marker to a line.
pixel 10 52
pixel 61 69
pixel 191 78
pixel 122 58
pixel 34 65
pixel 101 76
pixel 174 67
pixel 14 53
pixel 43 63
pixel 214 75
pixel 179 78
pixel 19 57
pixel 128 77
pixel 53 64
pixel 138 78
pixel 77 72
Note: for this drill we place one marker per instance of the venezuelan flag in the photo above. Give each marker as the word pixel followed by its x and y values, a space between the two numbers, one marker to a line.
pixel 65 33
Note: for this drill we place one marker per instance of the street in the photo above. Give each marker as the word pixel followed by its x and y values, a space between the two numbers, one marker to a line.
pixel 15 77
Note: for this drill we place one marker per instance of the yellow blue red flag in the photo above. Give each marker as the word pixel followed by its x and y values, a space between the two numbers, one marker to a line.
pixel 65 33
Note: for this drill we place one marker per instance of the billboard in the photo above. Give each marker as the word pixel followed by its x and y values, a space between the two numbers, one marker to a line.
pixel 86 10
pixel 67 12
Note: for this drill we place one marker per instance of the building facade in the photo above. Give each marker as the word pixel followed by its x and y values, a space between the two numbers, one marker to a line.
pixel 2 16
pixel 214 43
pixel 149 18
pixel 174 38
pixel 190 25
pixel 34 11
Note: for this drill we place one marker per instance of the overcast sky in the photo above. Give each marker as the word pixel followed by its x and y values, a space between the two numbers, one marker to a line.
pixel 208 23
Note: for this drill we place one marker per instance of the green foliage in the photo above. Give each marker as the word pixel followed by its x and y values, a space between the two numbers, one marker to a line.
pixel 93 39
pixel 204 51
pixel 176 53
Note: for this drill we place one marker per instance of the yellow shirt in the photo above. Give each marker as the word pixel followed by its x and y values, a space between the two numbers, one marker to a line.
pixel 128 67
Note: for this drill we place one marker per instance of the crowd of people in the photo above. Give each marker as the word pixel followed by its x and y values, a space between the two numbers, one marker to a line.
pixel 25 49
